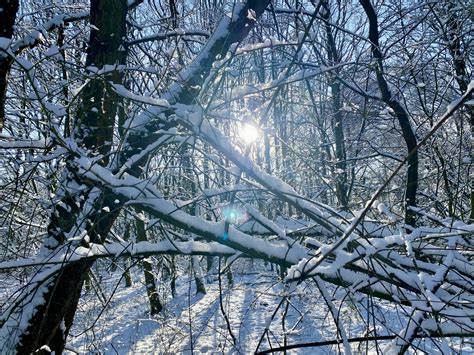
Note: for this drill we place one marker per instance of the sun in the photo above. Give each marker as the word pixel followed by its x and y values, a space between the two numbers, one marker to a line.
pixel 249 133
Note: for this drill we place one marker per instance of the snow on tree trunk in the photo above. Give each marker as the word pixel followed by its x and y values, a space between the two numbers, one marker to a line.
pixel 48 323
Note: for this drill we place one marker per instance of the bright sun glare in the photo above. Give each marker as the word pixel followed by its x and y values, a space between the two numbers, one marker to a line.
pixel 249 133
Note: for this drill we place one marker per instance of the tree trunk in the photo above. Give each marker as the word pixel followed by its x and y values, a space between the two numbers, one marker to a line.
pixel 150 284
pixel 337 124
pixel 453 40
pixel 8 11
pixel 399 111
pixel 198 277
pixel 51 321
pixel 127 275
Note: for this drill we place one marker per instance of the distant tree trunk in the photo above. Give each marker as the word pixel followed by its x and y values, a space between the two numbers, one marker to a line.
pixel 127 275
pixel 65 90
pixel 150 284
pixel 264 120
pixel 322 149
pixel 174 293
pixel 189 184
pixel 198 277
pixel 230 277
pixel 8 11
pixel 453 40
pixel 52 319
pixel 337 123
pixel 399 111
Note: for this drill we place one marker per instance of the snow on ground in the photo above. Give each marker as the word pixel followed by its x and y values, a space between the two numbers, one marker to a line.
pixel 191 323
pixel 125 326
pixel 118 321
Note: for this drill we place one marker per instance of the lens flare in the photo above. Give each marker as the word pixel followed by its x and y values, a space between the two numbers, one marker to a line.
pixel 249 133
pixel 234 215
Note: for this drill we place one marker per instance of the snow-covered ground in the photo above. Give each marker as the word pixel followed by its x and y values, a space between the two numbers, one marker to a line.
pixel 116 319
pixel 195 323
pixel 191 322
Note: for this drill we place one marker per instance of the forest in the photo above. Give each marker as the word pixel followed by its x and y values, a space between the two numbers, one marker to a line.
pixel 256 176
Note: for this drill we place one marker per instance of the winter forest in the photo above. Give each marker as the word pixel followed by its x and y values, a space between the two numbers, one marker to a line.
pixel 236 177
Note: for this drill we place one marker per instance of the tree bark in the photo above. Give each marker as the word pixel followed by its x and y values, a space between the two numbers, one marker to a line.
pixel 8 12
pixel 400 113
pixel 150 284
pixel 51 323
pixel 337 123
pixel 453 40
pixel 53 319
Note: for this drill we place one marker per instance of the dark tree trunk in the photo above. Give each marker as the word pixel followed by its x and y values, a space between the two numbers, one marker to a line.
pixel 174 276
pixel 399 111
pixel 8 11
pixel 150 284
pixel 126 273
pixel 337 123
pixel 53 319
pixel 453 40
pixel 99 104
pixel 198 277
